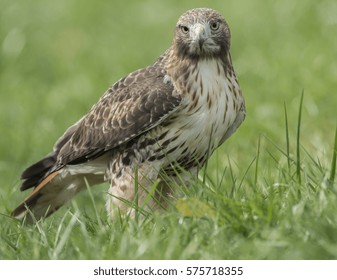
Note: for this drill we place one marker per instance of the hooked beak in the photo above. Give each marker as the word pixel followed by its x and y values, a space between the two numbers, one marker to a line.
pixel 198 34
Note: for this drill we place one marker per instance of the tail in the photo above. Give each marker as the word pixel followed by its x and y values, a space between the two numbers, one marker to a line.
pixel 55 188
pixel 52 193
pixel 53 185
pixel 41 202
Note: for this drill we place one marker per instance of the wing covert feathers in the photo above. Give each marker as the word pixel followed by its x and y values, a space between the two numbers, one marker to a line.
pixel 129 108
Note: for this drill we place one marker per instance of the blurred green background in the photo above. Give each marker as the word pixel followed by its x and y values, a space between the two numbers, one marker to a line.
pixel 58 57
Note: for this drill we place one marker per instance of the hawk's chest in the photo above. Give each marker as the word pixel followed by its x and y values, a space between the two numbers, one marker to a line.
pixel 209 104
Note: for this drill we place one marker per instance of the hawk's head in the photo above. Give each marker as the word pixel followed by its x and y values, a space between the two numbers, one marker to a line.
pixel 202 33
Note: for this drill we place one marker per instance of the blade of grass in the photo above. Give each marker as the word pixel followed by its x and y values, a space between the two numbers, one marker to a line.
pixel 298 155
pixel 136 195
pixel 222 177
pixel 257 161
pixel 93 202
pixel 278 148
pixel 151 195
pixel 333 162
pixel 246 172
pixel 65 235
pixel 208 153
pixel 231 172
pixel 287 135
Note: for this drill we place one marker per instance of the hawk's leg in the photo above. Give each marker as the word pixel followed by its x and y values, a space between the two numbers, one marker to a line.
pixel 135 189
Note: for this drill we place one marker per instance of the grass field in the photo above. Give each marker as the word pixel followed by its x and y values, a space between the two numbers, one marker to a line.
pixel 269 192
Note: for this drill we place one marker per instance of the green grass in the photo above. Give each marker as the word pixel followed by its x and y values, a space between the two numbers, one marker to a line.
pixel 268 193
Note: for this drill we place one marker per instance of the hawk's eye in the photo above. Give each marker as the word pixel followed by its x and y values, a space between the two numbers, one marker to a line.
pixel 184 29
pixel 215 25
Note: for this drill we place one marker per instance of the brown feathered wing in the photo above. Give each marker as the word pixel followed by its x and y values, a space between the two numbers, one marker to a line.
pixel 132 106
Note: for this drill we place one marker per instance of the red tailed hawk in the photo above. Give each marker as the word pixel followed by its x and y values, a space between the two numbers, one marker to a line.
pixel 175 112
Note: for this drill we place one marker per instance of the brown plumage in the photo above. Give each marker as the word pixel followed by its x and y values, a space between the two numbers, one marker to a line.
pixel 175 112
